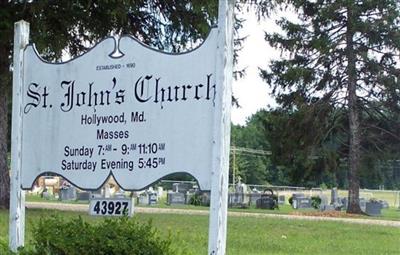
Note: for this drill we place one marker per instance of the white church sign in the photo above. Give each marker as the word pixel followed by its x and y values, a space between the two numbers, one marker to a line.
pixel 127 111
pixel 138 117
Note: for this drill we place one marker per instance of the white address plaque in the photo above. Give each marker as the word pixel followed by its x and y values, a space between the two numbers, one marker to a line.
pixel 137 117
pixel 111 207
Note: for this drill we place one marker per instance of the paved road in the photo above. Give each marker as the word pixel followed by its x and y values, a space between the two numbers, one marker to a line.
pixel 85 208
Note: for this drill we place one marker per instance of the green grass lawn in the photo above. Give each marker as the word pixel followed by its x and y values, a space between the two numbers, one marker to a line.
pixel 387 214
pixel 247 235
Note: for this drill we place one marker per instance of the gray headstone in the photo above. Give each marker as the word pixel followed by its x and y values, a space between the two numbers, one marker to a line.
pixel 363 204
pixel 176 198
pixel 384 204
pixel 254 197
pixel 84 196
pixel 304 202
pixel 335 200
pixel 46 195
pixel 281 199
pixel 143 198
pixel 334 196
pixel 238 200
pixel 96 194
pixel 301 203
pixel 344 203
pixel 205 198
pixel 324 200
pixel 265 203
pixel 160 191
pixel 189 196
pixel 152 198
pixel 373 208
pixel 327 208
pixel 181 187
pixel 67 194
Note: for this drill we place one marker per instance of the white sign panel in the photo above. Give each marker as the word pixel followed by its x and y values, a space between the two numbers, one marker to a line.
pixel 138 117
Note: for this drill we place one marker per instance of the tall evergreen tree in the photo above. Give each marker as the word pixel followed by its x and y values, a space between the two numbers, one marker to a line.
pixel 344 53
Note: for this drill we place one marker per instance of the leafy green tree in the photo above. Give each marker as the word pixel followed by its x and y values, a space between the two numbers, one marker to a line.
pixel 249 157
pixel 299 145
pixel 59 27
pixel 308 158
pixel 343 54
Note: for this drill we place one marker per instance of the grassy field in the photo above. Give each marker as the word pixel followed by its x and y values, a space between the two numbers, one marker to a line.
pixel 248 235
pixel 387 214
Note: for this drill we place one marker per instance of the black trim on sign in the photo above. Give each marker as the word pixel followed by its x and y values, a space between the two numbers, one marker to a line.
pixel 33 46
pixel 213 28
pixel 116 48
pixel 106 179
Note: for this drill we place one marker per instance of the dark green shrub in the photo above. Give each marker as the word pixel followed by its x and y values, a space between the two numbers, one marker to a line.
pixel 290 200
pixel 195 199
pixel 4 247
pixel 315 202
pixel 4 250
pixel 57 236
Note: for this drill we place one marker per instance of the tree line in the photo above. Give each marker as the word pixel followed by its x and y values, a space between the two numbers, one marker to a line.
pixel 293 158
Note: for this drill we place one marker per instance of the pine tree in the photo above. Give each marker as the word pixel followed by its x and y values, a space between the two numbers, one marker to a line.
pixel 344 53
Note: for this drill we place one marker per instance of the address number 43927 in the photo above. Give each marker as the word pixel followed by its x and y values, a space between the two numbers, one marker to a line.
pixel 110 207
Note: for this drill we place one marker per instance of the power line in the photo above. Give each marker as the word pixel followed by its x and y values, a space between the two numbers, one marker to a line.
pixel 250 151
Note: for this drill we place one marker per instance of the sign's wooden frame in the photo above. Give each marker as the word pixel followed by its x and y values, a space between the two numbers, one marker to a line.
pixel 221 135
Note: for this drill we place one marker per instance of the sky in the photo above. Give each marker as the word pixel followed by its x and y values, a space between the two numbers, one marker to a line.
pixel 251 91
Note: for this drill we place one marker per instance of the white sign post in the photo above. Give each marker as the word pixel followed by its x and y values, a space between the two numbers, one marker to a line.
pixel 220 170
pixel 127 111
pixel 17 195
